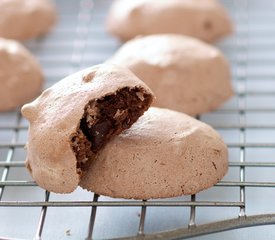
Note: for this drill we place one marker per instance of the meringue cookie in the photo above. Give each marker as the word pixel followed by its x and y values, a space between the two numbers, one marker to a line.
pixel 25 19
pixel 186 74
pixel 21 77
pixel 203 19
pixel 164 154
pixel 72 121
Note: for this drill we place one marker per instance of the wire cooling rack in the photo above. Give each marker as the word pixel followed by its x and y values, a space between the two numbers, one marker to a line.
pixel 247 123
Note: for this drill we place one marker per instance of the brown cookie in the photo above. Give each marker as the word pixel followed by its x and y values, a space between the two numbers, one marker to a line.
pixel 186 74
pixel 25 19
pixel 71 121
pixel 21 76
pixel 206 20
pixel 164 154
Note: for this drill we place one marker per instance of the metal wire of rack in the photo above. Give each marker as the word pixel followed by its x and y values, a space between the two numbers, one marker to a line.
pixel 247 123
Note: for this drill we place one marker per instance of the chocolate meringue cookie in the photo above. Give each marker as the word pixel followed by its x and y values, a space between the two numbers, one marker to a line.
pixel 21 77
pixel 164 154
pixel 186 74
pixel 206 20
pixel 71 122
pixel 25 19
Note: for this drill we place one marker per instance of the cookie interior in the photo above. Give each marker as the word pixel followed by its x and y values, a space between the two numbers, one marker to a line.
pixel 104 118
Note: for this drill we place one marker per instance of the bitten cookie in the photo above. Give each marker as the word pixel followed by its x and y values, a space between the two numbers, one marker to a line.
pixel 21 77
pixel 25 19
pixel 164 154
pixel 71 122
pixel 206 20
pixel 186 74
